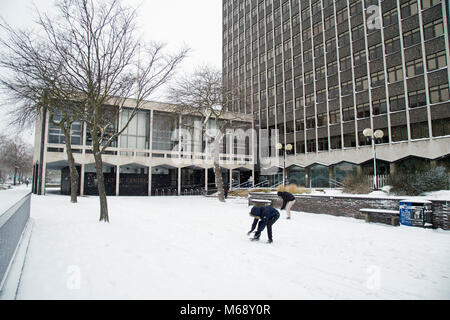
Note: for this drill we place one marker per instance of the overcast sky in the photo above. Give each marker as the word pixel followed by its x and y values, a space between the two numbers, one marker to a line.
pixel 196 24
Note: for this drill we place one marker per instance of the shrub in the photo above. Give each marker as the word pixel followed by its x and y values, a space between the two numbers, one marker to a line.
pixel 293 188
pixel 428 178
pixel 358 183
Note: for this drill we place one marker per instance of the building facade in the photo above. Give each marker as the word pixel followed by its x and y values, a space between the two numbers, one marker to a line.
pixel 159 153
pixel 322 71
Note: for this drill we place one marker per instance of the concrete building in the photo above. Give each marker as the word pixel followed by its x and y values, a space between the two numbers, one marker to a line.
pixel 151 157
pixel 322 71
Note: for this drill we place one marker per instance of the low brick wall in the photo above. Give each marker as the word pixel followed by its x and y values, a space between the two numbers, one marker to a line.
pixel 349 206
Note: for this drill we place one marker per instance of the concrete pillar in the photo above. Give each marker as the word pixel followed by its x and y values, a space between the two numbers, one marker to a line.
pixel 331 176
pixel 149 181
pixel 206 179
pixel 179 181
pixel 307 178
pixel 44 174
pixel 231 178
pixel 117 180
pixel 82 180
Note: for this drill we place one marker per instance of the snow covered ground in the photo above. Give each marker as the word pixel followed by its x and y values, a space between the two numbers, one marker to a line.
pixel 197 248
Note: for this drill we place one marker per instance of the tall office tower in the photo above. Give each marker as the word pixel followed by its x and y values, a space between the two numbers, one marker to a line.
pixel 322 71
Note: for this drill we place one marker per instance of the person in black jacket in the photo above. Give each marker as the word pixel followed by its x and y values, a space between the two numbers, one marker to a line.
pixel 288 202
pixel 226 188
pixel 266 216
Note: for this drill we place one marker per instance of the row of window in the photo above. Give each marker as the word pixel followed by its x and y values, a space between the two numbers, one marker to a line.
pixel 418 130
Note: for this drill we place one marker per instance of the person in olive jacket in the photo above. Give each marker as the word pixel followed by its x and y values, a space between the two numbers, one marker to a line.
pixel 266 216
pixel 288 202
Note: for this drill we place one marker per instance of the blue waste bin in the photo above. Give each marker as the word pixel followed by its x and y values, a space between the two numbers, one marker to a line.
pixel 416 212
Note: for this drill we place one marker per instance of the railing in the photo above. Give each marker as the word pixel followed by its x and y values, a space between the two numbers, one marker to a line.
pixel 12 224
pixel 382 180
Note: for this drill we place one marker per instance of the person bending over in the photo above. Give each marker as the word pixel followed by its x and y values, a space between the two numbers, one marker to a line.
pixel 266 216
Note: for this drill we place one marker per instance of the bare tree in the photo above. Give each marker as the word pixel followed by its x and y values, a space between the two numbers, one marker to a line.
pixel 35 85
pixel 16 155
pixel 104 66
pixel 202 94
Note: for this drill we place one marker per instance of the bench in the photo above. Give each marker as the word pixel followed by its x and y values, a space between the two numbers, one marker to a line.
pixel 259 202
pixel 394 214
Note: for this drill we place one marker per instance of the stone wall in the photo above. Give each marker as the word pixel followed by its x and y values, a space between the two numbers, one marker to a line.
pixel 349 206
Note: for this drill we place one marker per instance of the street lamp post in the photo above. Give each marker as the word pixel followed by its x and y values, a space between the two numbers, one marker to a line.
pixel 372 136
pixel 285 148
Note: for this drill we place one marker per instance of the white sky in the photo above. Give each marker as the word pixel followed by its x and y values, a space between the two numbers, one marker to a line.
pixel 196 24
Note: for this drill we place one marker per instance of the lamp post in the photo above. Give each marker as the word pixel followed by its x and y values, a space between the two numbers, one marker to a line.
pixel 372 136
pixel 285 148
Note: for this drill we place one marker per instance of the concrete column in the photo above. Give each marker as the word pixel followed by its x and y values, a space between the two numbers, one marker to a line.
pixel 149 181
pixel 117 180
pixel 308 178
pixel 231 177
pixel 44 174
pixel 82 180
pixel 179 181
pixel 206 179
pixel 331 176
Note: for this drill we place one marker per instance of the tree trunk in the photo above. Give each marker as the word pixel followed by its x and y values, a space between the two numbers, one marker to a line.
pixel 218 172
pixel 74 176
pixel 100 182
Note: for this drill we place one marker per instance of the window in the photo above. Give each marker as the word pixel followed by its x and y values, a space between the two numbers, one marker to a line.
pixel 399 133
pixel 361 84
pixel 357 32
pixel 309 77
pixel 309 99
pixel 298 81
pixel 299 103
pixel 390 17
pixel 355 8
pixel 347 87
pixel 397 103
pixel 322 119
pixel 377 79
pixel 321 95
pixel 417 99
pixel 345 63
pixel 329 22
pixel 433 29
pixel 363 111
pixel 411 38
pixel 307 34
pixel 429 3
pixel 341 15
pixel 414 68
pixel 335 116
pixel 348 113
pixel 436 61
pixel 375 52
pixel 333 92
pixel 317 29
pixel 310 122
pixel 318 50
pixel 343 39
pixel 299 125
pixel 307 55
pixel 332 67
pixel 439 93
pixel 320 72
pixel 359 58
pixel 419 130
pixel 409 9
pixel 330 44
pixel 395 74
pixel 441 127
pixel 379 107
pixel 323 144
pixel 392 45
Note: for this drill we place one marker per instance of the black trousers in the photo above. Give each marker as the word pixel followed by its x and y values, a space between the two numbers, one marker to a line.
pixel 269 226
